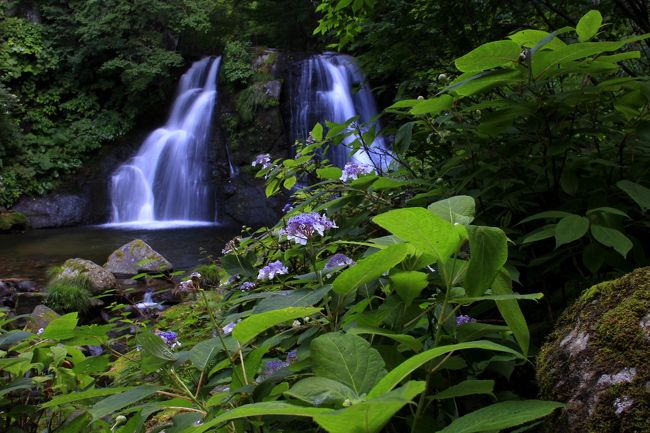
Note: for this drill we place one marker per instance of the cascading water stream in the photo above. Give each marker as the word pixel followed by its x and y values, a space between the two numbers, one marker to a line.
pixel 168 179
pixel 325 91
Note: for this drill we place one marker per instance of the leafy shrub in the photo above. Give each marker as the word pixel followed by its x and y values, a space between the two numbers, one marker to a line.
pixel 210 274
pixel 237 65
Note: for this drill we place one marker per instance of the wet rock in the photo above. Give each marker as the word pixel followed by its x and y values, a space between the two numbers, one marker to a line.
pixel 99 278
pixel 54 210
pixel 596 360
pixel 136 257
pixel 27 301
pixel 41 317
pixel 248 205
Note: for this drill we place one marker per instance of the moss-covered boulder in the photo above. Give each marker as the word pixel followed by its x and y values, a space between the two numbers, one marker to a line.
pixel 10 221
pixel 135 257
pixel 100 280
pixel 597 360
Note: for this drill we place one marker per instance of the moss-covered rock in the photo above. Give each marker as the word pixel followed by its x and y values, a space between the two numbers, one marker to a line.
pixel 596 360
pixel 10 221
pixel 135 257
pixel 100 279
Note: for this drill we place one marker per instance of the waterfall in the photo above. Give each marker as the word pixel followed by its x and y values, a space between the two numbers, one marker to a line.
pixel 168 179
pixel 331 87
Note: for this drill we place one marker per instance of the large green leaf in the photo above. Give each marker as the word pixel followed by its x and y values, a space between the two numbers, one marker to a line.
pixel 529 38
pixel 501 415
pixel 433 105
pixel 155 346
pixel 639 193
pixel 510 311
pixel 491 55
pixel 259 409
pixel 466 387
pixel 405 339
pixel 612 238
pixel 546 61
pixel 295 298
pixel 458 209
pixel 117 402
pixel 12 337
pixel 426 231
pixel 409 284
pixel 369 416
pixel 83 395
pixel 61 328
pixel 488 253
pixel 201 354
pixel 348 359
pixel 588 25
pixel 570 228
pixel 254 325
pixel 321 391
pixel 399 373
pixel 369 268
pixel 19 383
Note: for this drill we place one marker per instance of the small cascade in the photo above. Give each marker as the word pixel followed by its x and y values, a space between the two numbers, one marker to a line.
pixel 169 179
pixel 332 87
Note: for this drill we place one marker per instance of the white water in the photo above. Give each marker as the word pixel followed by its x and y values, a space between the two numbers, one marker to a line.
pixel 168 179
pixel 332 87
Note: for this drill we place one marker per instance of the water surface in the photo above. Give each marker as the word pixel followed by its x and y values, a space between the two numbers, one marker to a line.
pixel 30 254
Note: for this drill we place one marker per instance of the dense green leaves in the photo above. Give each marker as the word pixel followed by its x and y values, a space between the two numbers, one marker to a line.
pixel 588 25
pixel 254 325
pixel 347 359
pixel 501 415
pixel 488 253
pixel 489 56
pixel 426 231
pixel 370 268
pixel 570 228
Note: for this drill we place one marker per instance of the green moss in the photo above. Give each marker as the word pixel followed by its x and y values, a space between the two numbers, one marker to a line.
pixel 13 221
pixel 137 243
pixel 209 274
pixel 66 294
pixel 190 320
pixel 610 313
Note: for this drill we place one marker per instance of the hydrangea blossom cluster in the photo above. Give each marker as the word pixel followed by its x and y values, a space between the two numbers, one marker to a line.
pixel 353 170
pixel 188 286
pixel 248 285
pixel 302 227
pixel 272 367
pixel 231 245
pixel 263 160
pixel 287 207
pixel 337 260
pixel 464 320
pixel 169 337
pixel 227 330
pixel 269 271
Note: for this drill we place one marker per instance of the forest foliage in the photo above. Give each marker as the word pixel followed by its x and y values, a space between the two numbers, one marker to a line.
pixel 383 300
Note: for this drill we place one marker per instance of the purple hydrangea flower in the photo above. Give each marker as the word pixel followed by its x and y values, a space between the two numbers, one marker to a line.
pixel 263 159
pixel 338 259
pixel 227 330
pixel 247 286
pixel 169 337
pixel 269 271
pixel 292 356
pixel 232 279
pixel 353 170
pixel 301 228
pixel 287 207
pixel 270 368
pixel 463 320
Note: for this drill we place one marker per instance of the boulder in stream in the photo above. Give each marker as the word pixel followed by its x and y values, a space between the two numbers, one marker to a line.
pixel 135 257
pixel 596 360
pixel 41 317
pixel 99 279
